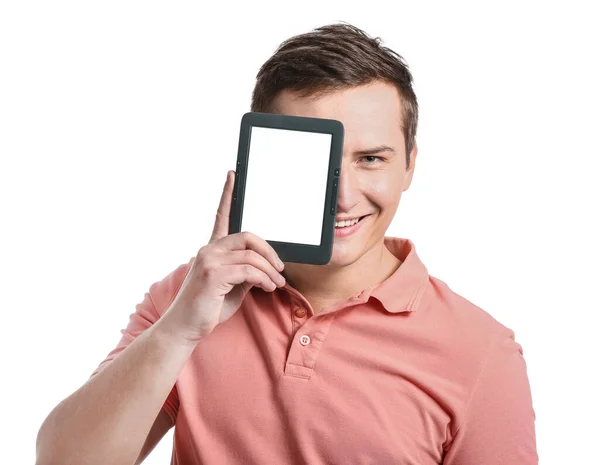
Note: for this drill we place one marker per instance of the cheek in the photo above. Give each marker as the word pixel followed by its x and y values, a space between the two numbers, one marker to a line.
pixel 384 191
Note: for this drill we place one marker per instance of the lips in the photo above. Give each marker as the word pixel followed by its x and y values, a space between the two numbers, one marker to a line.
pixel 349 230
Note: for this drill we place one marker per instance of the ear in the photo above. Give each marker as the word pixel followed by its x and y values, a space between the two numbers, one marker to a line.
pixel 411 168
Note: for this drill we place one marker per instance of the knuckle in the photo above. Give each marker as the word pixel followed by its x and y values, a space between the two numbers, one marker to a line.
pixel 205 263
pixel 209 271
pixel 201 255
pixel 248 255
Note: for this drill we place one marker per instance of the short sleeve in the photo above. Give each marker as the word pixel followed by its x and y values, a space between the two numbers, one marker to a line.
pixel 498 426
pixel 156 301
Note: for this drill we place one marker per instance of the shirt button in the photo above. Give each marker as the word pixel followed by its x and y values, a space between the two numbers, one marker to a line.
pixel 300 312
pixel 305 340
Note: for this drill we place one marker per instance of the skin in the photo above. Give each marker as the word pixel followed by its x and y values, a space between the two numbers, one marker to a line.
pixel 369 185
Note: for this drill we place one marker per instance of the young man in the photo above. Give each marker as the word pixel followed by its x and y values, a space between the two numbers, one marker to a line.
pixel 367 359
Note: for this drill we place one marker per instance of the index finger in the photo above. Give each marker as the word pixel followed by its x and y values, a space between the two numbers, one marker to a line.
pixel 221 227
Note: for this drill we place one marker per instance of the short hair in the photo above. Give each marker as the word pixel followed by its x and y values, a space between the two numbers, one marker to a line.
pixel 335 57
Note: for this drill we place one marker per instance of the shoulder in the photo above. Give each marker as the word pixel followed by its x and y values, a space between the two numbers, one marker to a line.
pixel 469 335
pixel 491 405
pixel 461 316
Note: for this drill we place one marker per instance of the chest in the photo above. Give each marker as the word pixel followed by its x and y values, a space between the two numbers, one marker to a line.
pixel 311 391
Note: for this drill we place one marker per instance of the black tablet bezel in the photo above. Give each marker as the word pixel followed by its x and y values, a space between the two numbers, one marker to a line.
pixel 292 252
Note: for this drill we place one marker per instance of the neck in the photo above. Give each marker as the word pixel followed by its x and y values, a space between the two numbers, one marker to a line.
pixel 329 283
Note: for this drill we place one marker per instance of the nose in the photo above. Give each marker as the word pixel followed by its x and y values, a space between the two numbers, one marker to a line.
pixel 347 191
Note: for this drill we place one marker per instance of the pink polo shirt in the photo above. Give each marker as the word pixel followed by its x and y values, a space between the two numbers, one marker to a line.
pixel 406 372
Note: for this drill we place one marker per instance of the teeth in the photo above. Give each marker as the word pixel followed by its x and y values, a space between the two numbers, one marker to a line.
pixel 343 224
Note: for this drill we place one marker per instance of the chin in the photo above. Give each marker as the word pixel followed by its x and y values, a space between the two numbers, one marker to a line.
pixel 344 255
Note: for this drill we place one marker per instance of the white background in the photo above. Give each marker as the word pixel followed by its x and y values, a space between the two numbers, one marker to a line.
pixel 119 120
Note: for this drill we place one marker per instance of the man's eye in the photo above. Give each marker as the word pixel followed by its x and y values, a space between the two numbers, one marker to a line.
pixel 371 158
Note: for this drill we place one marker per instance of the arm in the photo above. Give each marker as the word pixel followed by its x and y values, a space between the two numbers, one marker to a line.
pixel 116 416
pixel 498 426
pixel 161 425
pixel 108 419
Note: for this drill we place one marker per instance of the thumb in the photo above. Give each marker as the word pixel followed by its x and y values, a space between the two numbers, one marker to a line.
pixel 221 227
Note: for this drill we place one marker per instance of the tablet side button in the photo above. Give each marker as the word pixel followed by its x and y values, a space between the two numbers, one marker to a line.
pixel 236 187
pixel 334 195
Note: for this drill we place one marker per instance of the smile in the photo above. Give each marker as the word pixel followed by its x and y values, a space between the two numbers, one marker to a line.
pixel 346 223
pixel 348 227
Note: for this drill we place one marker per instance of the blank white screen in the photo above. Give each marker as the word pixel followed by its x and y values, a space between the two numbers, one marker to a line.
pixel 286 185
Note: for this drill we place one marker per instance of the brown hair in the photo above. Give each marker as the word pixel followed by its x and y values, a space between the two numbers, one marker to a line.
pixel 334 57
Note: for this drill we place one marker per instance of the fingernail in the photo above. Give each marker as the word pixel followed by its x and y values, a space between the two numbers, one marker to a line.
pixel 280 265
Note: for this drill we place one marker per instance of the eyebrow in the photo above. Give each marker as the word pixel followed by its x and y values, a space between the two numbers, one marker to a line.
pixel 374 150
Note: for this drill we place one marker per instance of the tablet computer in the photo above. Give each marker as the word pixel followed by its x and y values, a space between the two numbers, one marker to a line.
pixel 286 184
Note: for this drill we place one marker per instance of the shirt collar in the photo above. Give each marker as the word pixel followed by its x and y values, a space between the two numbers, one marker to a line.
pixel 403 290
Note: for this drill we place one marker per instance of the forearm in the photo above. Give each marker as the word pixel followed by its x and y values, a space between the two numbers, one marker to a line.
pixel 108 419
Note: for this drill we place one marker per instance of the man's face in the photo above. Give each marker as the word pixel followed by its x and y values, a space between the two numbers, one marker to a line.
pixel 369 184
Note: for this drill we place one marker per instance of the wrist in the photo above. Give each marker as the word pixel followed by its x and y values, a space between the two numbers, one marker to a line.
pixel 170 334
